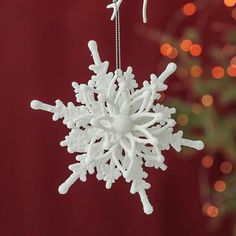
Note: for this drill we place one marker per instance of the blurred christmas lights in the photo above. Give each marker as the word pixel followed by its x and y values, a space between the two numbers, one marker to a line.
pixel 220 186
pixel 218 72
pixel 212 211
pixel 174 53
pixel 196 71
pixel 182 119
pixel 207 161
pixel 195 63
pixel 226 167
pixel 186 44
pixel 229 3
pixel 207 100
pixel 166 49
pixel 231 70
pixel 196 50
pixel 189 9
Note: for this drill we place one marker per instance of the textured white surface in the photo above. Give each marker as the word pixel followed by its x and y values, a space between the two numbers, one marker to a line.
pixel 116 5
pixel 116 127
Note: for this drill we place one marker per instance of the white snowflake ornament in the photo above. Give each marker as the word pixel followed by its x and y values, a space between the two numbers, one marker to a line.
pixel 116 127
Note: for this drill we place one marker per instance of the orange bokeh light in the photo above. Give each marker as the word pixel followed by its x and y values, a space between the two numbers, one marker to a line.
pixel 186 44
pixel 229 3
pixel 196 71
pixel 231 70
pixel 226 167
pixel 196 50
pixel 189 9
pixel 207 100
pixel 212 211
pixel 220 186
pixel 166 49
pixel 218 72
pixel 174 53
pixel 207 161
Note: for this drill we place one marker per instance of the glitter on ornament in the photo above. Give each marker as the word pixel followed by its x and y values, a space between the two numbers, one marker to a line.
pixel 116 127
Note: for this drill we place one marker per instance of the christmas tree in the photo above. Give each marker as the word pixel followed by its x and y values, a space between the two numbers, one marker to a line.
pixel 206 56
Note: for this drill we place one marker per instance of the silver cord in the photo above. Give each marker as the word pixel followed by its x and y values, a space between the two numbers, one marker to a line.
pixel 117 36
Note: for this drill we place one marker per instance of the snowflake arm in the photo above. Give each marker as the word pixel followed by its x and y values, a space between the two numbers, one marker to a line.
pixel 102 81
pixel 139 185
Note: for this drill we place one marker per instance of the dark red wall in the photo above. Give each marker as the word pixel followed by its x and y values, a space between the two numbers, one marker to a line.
pixel 43 48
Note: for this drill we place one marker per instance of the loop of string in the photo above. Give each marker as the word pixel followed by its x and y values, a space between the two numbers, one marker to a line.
pixel 117 36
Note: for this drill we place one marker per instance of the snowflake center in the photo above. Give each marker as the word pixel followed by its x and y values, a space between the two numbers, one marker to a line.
pixel 122 123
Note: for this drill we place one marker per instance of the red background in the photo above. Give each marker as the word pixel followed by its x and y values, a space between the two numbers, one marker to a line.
pixel 43 48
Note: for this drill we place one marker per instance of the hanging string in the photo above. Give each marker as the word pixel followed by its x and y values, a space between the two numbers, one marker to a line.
pixel 117 36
